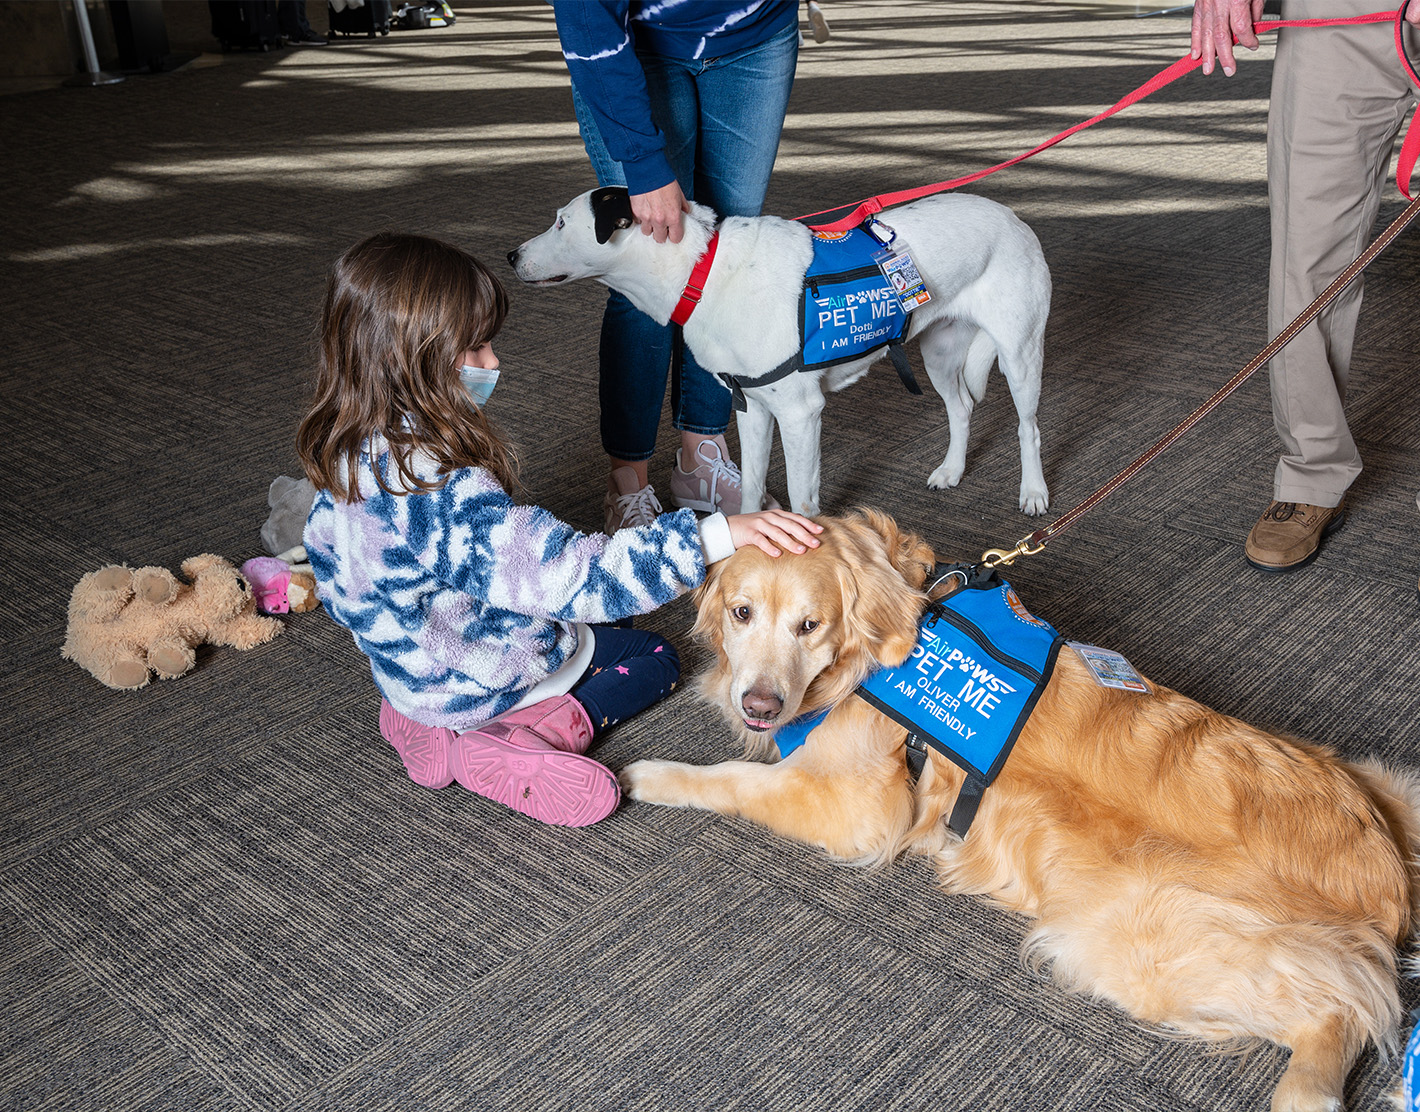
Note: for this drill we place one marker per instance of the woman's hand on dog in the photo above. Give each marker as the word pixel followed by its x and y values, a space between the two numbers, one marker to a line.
pixel 769 528
pixel 659 212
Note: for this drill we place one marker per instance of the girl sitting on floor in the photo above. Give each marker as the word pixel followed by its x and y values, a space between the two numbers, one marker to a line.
pixel 485 621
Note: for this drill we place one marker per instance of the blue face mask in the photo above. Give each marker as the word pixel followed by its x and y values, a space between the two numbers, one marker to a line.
pixel 479 382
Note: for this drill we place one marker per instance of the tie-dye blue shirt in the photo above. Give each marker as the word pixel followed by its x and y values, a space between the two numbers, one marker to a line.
pixel 465 601
pixel 600 39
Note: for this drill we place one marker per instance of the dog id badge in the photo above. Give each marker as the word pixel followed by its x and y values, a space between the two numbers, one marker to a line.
pixel 895 261
pixel 1110 669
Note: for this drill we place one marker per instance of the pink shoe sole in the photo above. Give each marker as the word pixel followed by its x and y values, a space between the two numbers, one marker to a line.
pixel 423 749
pixel 546 784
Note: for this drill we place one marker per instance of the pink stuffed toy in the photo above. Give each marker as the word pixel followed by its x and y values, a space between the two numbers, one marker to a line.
pixel 280 588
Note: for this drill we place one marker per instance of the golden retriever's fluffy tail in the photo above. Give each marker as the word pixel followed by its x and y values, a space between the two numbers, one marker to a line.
pixel 1397 795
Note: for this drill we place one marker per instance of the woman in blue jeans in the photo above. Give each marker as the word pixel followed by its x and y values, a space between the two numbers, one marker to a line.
pixel 674 102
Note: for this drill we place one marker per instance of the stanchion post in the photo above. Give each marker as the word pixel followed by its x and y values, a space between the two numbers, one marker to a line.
pixel 95 76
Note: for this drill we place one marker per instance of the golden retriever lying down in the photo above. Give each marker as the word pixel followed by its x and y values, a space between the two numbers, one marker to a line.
pixel 1205 876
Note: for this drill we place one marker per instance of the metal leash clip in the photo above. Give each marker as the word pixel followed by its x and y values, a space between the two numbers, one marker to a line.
pixel 1004 557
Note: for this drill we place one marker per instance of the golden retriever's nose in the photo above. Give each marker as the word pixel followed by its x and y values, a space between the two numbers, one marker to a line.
pixel 761 707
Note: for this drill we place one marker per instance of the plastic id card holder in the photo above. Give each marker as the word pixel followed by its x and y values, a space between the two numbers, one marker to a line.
pixel 1110 669
pixel 895 261
pixel 901 272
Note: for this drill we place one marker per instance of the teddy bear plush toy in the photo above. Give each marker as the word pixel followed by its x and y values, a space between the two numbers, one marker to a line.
pixel 127 623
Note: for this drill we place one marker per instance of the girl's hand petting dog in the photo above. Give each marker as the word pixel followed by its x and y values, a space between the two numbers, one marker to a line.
pixel 774 527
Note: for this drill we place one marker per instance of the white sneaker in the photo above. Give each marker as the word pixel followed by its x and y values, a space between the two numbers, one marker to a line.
pixel 713 485
pixel 630 504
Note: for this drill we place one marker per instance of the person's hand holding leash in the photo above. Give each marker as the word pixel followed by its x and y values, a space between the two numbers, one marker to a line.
pixel 1216 23
pixel 770 527
pixel 659 212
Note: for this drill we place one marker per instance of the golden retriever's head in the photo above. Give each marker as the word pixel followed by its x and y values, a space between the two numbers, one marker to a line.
pixel 795 634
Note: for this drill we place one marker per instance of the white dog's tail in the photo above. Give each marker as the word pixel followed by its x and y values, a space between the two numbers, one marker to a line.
pixel 980 357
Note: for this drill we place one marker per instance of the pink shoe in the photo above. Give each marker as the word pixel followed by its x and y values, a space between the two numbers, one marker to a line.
pixel 714 484
pixel 561 721
pixel 423 749
pixel 529 767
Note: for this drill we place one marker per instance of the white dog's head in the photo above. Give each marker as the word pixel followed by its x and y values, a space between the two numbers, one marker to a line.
pixel 588 240
pixel 576 244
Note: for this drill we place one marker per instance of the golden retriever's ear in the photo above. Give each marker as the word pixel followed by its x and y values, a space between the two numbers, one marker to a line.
pixel 709 600
pixel 882 612
pixel 908 553
pixel 881 584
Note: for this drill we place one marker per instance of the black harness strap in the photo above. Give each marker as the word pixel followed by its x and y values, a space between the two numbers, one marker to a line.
pixel 903 368
pixel 916 755
pixel 968 800
pixel 737 383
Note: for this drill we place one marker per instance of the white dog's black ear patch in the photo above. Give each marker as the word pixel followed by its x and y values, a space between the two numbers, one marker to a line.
pixel 611 207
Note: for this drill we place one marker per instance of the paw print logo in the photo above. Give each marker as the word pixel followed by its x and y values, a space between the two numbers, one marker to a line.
pixel 966 665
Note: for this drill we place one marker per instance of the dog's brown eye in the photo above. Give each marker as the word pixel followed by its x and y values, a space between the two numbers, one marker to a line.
pixel 740 613
pixel 808 625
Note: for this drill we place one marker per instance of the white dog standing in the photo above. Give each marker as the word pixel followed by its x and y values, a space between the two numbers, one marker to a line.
pixel 984 269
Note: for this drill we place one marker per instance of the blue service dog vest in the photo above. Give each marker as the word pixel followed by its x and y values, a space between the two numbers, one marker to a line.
pixel 846 310
pixel 980 663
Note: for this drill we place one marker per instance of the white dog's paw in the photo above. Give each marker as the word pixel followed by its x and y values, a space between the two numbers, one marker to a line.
pixel 948 475
pixel 1034 501
pixel 660 782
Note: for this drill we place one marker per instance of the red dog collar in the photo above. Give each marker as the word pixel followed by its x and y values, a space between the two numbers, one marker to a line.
pixel 690 296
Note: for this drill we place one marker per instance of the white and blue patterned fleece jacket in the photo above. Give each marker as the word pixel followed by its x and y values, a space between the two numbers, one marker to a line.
pixel 469 605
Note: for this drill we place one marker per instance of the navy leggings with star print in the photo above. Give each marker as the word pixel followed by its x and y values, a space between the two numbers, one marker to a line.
pixel 630 670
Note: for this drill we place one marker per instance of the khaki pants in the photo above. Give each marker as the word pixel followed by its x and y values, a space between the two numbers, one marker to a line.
pixel 1339 98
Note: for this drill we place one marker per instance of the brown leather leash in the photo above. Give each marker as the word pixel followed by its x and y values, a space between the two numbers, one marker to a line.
pixel 1036 542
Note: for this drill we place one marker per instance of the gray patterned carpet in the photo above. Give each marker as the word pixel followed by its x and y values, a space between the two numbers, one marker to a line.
pixel 221 893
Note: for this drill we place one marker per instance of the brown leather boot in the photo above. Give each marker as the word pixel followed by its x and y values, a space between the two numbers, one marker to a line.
pixel 1288 535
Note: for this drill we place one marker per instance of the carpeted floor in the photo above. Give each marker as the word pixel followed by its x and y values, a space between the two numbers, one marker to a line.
pixel 220 892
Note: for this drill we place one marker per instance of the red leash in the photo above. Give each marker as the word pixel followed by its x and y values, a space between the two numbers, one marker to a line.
pixel 1409 150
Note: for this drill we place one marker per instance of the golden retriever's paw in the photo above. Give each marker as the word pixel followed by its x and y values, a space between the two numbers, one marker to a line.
pixel 660 782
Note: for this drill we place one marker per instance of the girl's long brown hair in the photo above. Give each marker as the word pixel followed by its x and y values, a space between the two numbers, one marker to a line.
pixel 399 311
